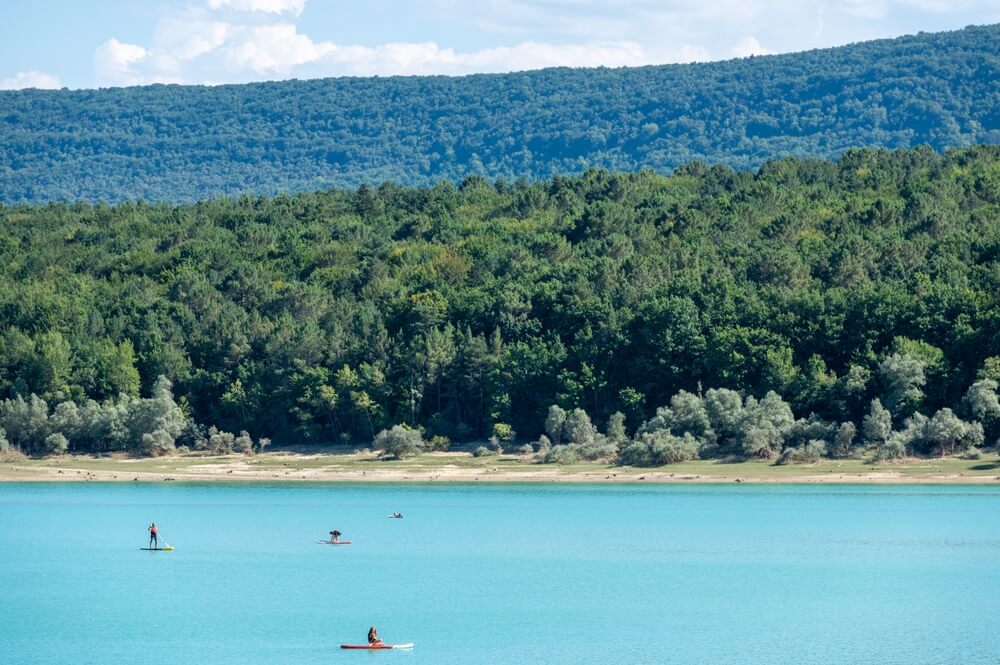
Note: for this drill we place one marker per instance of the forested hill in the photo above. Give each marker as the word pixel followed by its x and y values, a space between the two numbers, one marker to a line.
pixel 183 143
pixel 330 315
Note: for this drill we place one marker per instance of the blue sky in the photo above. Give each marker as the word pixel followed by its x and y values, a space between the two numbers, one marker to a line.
pixel 99 43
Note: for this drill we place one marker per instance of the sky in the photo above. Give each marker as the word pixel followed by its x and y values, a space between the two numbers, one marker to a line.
pixel 102 43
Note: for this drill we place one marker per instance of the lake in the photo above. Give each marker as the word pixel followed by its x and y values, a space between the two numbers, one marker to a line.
pixel 501 574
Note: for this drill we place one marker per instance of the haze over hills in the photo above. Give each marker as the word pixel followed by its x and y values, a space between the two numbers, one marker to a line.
pixel 181 143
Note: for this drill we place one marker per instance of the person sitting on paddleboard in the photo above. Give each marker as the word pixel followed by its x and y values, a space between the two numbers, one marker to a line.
pixel 335 536
pixel 152 536
pixel 373 637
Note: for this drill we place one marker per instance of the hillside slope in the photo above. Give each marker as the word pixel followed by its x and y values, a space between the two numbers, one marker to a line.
pixel 181 143
pixel 330 315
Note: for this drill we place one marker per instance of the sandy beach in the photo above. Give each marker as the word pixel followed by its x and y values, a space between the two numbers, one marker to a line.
pixel 460 467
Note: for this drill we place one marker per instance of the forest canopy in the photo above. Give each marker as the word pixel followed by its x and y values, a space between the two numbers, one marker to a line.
pixel 184 143
pixel 861 292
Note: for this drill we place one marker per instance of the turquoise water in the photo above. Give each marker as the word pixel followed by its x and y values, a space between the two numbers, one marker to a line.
pixel 501 574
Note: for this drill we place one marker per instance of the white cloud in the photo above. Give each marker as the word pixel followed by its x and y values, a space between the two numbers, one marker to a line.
pixel 30 79
pixel 748 46
pixel 215 42
pixel 265 6
pixel 116 63
pixel 429 58
pixel 195 47
pixel 189 36
pixel 276 48
pixel 234 41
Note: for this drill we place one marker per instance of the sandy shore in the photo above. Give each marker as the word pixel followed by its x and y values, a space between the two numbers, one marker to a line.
pixel 462 468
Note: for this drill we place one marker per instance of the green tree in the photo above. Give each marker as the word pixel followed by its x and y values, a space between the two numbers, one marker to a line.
pixel 762 429
pixel 843 441
pixel 115 371
pixel 554 424
pixel 877 425
pixel 399 442
pixel 946 430
pixel 53 363
pixel 903 377
pixel 616 432
pixel 983 403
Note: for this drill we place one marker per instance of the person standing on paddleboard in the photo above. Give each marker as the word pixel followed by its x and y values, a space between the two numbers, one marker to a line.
pixel 373 639
pixel 153 544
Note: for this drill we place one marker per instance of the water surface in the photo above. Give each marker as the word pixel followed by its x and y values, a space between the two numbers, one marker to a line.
pixel 501 574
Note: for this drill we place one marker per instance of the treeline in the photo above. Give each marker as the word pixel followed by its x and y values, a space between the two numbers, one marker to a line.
pixel 152 426
pixel 330 316
pixel 722 424
pixel 184 143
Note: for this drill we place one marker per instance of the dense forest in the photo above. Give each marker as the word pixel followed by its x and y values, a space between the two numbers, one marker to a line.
pixel 704 308
pixel 185 143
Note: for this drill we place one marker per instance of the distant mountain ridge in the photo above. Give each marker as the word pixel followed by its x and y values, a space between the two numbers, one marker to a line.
pixel 182 143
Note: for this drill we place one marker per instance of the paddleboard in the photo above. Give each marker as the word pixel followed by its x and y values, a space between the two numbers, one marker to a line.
pixel 408 645
pixel 168 548
pixel 330 542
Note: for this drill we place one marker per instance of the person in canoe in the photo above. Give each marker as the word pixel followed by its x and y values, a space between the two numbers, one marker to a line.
pixel 334 536
pixel 373 639
pixel 153 544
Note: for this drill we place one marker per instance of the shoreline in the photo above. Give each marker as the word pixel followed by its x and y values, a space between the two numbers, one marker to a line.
pixel 364 467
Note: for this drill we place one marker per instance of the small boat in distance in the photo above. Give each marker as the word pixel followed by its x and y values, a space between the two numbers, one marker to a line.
pixel 395 516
